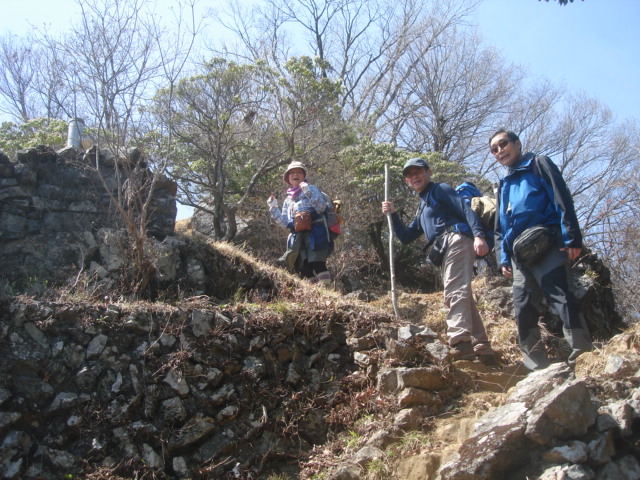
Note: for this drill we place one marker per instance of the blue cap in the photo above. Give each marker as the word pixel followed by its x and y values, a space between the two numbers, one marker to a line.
pixel 415 162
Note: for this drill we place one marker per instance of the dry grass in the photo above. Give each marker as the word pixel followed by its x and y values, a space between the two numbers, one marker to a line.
pixel 184 226
pixel 624 346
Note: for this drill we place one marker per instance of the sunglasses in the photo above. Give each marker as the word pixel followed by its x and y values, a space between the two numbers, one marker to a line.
pixel 500 145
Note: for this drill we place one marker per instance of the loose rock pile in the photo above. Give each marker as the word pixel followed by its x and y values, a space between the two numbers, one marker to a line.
pixel 193 393
pixel 552 427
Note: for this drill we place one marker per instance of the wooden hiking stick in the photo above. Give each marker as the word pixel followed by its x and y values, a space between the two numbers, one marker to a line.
pixel 394 299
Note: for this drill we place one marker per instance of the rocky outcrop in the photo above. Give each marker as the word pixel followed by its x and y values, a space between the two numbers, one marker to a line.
pixel 193 392
pixel 552 425
pixel 53 204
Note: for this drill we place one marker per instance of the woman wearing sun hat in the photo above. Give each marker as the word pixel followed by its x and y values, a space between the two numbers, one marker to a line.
pixel 309 242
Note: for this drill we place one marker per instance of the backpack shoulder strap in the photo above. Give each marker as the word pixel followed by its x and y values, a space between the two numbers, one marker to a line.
pixel 541 165
pixel 535 166
pixel 541 169
pixel 432 201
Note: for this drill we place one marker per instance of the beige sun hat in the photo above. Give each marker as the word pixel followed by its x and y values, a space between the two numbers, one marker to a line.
pixel 292 165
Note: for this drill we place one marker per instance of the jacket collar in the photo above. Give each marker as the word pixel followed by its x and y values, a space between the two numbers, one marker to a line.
pixel 523 164
pixel 424 194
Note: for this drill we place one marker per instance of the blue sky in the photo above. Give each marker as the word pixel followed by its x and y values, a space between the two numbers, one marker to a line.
pixel 591 45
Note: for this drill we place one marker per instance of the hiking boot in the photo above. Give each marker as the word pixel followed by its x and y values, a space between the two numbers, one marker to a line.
pixel 324 278
pixel 579 341
pixel 490 360
pixel 534 353
pixel 486 354
pixel 461 351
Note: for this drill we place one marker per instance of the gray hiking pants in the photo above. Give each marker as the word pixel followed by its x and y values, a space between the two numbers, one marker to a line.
pixel 550 277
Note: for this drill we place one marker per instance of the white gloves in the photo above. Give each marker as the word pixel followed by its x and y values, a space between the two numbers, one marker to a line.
pixel 272 202
pixel 305 187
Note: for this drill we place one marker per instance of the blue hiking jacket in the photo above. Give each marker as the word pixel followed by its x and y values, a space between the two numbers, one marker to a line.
pixel 534 193
pixel 441 209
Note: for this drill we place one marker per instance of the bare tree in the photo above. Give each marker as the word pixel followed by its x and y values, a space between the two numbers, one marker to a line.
pixel 34 82
pixel 16 78
pixel 366 44
pixel 54 95
pixel 452 97
pixel 258 33
pixel 620 246
pixel 111 63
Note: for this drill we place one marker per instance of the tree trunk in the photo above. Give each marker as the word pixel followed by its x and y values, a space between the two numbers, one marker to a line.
pixel 231 224
pixel 375 234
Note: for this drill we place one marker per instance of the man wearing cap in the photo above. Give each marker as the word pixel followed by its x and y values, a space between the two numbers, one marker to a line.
pixel 308 248
pixel 445 219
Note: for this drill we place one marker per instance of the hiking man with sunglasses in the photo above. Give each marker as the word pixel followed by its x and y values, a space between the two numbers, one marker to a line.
pixel 537 234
